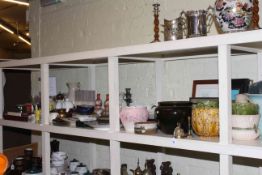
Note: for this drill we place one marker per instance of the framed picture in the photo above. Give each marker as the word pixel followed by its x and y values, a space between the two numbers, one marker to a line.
pixel 205 88
pixel 209 88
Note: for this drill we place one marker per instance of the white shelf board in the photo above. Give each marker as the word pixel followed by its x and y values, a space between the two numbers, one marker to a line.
pixel 184 45
pixel 195 143
pixel 82 132
pixel 251 149
pixel 23 125
pixel 243 151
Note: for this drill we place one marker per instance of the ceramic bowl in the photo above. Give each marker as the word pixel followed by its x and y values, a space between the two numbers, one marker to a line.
pixel 85 109
pixel 233 15
pixel 149 127
pixel 245 121
pixel 245 134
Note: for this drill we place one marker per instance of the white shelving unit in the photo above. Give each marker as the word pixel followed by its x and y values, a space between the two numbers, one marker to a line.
pixel 194 48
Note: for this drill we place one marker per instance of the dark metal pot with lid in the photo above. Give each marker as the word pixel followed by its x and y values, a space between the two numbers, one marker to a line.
pixel 169 113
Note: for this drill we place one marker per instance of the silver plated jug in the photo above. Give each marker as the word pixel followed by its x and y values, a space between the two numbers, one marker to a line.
pixel 173 29
pixel 198 22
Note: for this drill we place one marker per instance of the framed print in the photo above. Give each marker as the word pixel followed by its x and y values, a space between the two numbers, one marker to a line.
pixel 209 88
pixel 205 88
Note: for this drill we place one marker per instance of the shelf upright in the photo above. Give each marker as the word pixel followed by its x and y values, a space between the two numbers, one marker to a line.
pixel 45 117
pixel 92 86
pixel 159 81
pixel 259 65
pixel 224 76
pixel 1 108
pixel 92 77
pixel 113 81
pixel 159 71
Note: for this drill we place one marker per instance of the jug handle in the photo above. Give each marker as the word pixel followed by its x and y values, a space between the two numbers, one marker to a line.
pixel 210 17
pixel 184 25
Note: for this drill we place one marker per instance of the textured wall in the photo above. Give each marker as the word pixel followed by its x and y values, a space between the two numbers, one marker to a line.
pixel 90 24
pixel 93 24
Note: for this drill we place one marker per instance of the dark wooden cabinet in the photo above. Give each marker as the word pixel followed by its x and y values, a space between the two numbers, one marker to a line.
pixel 17 90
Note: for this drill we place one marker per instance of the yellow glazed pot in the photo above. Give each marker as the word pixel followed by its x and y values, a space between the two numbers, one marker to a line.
pixel 205 121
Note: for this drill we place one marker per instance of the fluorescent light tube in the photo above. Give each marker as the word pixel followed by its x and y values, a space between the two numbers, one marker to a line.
pixel 23 39
pixel 6 29
pixel 18 2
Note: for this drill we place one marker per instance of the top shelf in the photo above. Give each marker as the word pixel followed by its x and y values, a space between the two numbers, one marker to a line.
pixel 244 43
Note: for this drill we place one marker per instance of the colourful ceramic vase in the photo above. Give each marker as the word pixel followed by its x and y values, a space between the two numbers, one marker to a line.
pixel 205 119
pixel 233 15
pixel 129 115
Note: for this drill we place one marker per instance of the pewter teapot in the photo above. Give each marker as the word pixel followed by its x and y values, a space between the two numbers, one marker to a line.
pixel 198 22
pixel 147 171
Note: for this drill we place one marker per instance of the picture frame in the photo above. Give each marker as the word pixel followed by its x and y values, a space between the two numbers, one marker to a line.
pixel 209 88
pixel 205 88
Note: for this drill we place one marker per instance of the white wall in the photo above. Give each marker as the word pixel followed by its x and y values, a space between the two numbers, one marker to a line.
pixel 76 25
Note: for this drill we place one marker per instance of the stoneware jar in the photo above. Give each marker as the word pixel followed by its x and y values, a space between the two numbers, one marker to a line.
pixel 233 15
pixel 131 114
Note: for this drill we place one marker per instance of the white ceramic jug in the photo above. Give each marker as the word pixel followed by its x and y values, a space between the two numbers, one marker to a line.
pixel 72 88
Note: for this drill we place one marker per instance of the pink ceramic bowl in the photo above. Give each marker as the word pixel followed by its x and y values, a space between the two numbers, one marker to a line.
pixel 130 115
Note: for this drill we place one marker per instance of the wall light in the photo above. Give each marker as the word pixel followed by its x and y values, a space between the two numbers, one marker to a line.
pixel 18 2
pixel 10 29
pixel 23 39
pixel 6 29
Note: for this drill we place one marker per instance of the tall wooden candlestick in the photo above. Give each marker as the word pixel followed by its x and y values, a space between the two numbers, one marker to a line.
pixel 156 22
pixel 255 18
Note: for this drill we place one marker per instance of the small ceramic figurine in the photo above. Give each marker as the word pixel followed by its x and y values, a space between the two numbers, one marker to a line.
pixel 166 169
pixel 179 132
pixel 151 166
pixel 98 104
pixel 106 106
pixel 128 97
pixel 124 169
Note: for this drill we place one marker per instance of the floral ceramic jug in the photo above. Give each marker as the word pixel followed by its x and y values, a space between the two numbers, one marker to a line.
pixel 72 88
pixel 131 114
pixel 233 15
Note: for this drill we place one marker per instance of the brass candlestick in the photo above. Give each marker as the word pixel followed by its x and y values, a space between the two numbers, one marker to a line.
pixel 156 22
pixel 255 17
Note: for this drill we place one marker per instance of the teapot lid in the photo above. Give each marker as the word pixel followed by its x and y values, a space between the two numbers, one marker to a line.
pixel 74 160
pixel 59 96
pixel 81 165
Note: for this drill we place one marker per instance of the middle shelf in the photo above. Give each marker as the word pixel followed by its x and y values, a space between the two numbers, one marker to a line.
pixel 202 144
